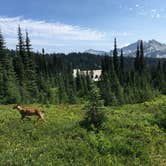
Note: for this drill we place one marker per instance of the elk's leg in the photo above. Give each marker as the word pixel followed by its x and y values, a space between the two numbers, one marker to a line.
pixel 42 117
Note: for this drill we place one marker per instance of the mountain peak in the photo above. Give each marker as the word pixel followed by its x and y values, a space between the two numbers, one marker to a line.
pixel 152 48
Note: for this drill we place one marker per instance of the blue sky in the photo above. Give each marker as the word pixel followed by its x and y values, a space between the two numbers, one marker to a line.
pixel 77 25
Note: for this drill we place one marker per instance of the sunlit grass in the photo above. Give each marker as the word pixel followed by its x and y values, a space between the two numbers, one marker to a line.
pixel 132 137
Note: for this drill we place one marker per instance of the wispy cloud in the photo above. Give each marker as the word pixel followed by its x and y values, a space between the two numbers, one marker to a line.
pixel 58 37
pixel 48 33
pixel 120 34
pixel 153 13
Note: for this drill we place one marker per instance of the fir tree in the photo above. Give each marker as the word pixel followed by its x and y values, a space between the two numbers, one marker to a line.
pixel 8 83
pixel 30 70
pixel 106 91
pixel 142 63
pixel 95 117
pixel 62 94
pixel 121 78
pixel 115 58
pixel 19 59
pixel 137 59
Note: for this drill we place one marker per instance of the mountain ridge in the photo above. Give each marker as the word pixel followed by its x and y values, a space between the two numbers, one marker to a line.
pixel 152 49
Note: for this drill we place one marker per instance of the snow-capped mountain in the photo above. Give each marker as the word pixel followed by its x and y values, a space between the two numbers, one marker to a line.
pixel 152 48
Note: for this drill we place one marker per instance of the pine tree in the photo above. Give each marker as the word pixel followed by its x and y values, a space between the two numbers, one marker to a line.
pixel 117 88
pixel 164 77
pixel 62 94
pixel 1 65
pixel 115 58
pixel 122 76
pixel 107 65
pixel 70 85
pixel 21 46
pixel 19 59
pixel 30 70
pixel 142 63
pixel 9 92
pixel 106 91
pixel 79 84
pixel 111 89
pixel 158 78
pixel 137 59
pixel 95 117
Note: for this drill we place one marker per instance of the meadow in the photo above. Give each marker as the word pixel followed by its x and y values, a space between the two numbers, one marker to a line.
pixel 134 135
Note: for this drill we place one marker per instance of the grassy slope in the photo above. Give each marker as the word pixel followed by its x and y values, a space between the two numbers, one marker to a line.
pixel 132 137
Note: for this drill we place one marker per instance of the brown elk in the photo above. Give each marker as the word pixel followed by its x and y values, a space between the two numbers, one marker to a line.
pixel 24 111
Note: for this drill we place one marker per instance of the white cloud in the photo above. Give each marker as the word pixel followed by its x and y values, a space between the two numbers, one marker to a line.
pixel 121 34
pixel 154 10
pixel 158 15
pixel 47 33
pixel 151 13
pixel 130 9
pixel 155 13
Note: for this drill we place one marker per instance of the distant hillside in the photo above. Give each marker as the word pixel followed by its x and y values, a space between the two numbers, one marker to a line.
pixel 95 52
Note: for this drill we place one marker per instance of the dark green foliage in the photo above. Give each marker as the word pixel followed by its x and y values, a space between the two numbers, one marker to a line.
pixel 28 77
pixel 136 62
pixel 30 71
pixel 160 117
pixel 95 117
pixel 62 94
pixel 139 63
pixel 142 63
pixel 121 72
pixel 9 92
pixel 115 58
pixel 159 78
pixel 111 89
pixel 106 91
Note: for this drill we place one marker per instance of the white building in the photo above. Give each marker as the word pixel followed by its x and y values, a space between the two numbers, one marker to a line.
pixel 94 74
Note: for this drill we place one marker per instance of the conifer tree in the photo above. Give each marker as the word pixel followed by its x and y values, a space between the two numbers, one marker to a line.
pixel 95 117
pixel 121 77
pixel 79 84
pixel 142 63
pixel 137 59
pixel 19 59
pixel 115 58
pixel 158 78
pixel 9 92
pixel 106 91
pixel 1 65
pixel 62 94
pixel 30 70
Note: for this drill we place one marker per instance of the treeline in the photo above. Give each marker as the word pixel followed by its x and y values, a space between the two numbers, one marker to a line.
pixel 138 84
pixel 28 77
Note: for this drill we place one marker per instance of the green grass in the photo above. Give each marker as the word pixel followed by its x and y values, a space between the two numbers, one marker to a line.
pixel 133 137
